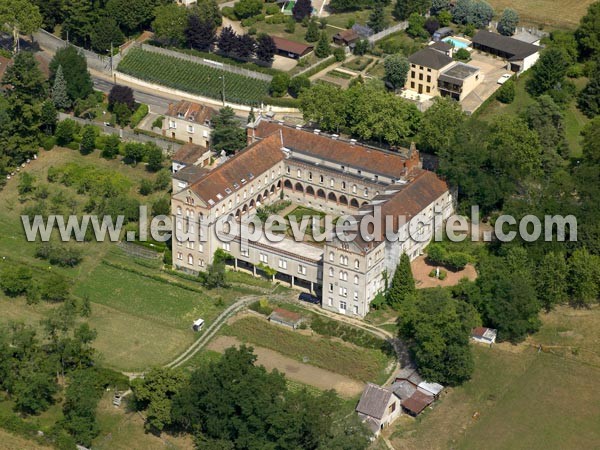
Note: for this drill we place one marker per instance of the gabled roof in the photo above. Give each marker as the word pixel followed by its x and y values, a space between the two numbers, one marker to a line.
pixel 285 45
pixel 380 162
pixel 193 112
pixel 441 46
pixel 404 389
pixel 374 401
pixel 236 171
pixel 431 58
pixel 189 153
pixel 417 402
pixel 513 47
pixel 347 35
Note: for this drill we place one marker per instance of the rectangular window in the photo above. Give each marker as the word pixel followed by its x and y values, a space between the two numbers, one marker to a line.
pixel 190 129
pixel 355 295
pixel 343 291
pixel 245 252
pixel 429 78
pixel 412 84
pixel 420 76
pixel 282 264
pixel 301 269
pixel 226 246
pixel 355 309
pixel 343 305
pixel 330 301
pixel 264 258
pixel 200 247
pixel 179 255
pixel 413 74
pixel 330 287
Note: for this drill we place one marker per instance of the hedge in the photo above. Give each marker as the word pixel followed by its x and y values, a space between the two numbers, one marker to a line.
pixel 138 115
pixel 322 65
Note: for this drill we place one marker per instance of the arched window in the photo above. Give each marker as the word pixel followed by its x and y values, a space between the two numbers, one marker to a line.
pixel 320 178
pixel 356 264
pixel 299 173
pixel 310 175
pixel 331 256
pixel 331 182
pixel 354 189
pixel 355 279
pixel 366 191
pixel 343 185
pixel 331 271
pixel 287 169
pixel 190 259
pixel 179 210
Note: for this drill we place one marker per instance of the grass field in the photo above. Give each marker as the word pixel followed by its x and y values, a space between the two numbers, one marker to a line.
pixel 574 119
pixel 346 359
pixel 523 399
pixel 548 13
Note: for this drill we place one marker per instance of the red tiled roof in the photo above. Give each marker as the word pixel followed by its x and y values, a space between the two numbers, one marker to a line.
pixel 286 315
pixel 194 112
pixel 285 45
pixel 253 161
pixel 378 161
pixel 478 331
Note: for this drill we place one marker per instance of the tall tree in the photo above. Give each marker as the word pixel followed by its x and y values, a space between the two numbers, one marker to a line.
pixel 323 49
pixel 121 94
pixel 49 117
pixel 324 104
pixel 439 124
pixel 302 9
pixel 200 34
pixel 404 8
pixel 88 140
pixel 588 99
pixel 437 6
pixel 105 33
pixel 402 287
pixel 377 19
pixel 396 69
pixel 227 134
pixel 21 16
pixel 227 40
pixel 312 31
pixel 59 90
pixel 265 48
pixel 207 10
pixel 133 15
pixel 584 278
pixel 170 23
pixel 551 278
pixel 79 19
pixel 508 22
pixel 548 73
pixel 546 118
pixel 588 33
pixel 245 46
pixel 74 66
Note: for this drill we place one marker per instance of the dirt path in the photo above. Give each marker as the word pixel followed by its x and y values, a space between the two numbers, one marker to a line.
pixel 294 370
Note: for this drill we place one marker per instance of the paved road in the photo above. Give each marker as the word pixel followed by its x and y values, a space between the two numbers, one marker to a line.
pixel 156 102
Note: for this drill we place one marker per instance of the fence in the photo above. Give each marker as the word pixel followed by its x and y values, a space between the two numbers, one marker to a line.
pixel 167 146
pixel 393 29
pixel 100 63
pixel 208 62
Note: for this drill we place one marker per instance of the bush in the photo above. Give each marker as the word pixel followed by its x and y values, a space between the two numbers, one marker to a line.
pixel 272 9
pixel 356 336
pixel 506 93
pixel 462 54
pixel 138 115
pixel 61 255
pixel 457 260
pixel 158 122
pixel 339 54
pixel 66 131
pixel 262 307
pixel 279 85
pixel 298 84
pixel 227 11
pixel 48 142
pixel 146 187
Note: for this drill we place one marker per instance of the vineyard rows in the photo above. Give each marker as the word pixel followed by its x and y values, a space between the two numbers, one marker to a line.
pixel 192 77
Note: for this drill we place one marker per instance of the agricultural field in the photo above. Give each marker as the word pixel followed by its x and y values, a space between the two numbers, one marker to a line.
pixel 546 13
pixel 195 78
pixel 519 397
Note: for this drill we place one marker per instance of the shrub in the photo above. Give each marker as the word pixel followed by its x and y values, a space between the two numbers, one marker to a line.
pixel 457 260
pixel 298 84
pixel 48 142
pixel 228 12
pixel 138 115
pixel 462 54
pixel 272 9
pixel 158 122
pixel 506 93
pixel 146 187
pixel 65 131
pixel 60 255
pixel 279 85
pixel 262 307
pixel 339 54
pixel 443 275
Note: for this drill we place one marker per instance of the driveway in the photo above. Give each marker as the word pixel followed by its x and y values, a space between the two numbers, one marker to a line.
pixel 491 68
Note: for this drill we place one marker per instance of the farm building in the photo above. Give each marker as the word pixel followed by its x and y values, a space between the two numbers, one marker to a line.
pixel 520 55
pixel 346 37
pixel 484 335
pixel 291 49
pixel 414 393
pixel 378 407
pixel 286 318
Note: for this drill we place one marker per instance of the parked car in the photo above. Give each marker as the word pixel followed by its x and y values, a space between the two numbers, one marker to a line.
pixel 306 297
pixel 504 78
pixel 198 324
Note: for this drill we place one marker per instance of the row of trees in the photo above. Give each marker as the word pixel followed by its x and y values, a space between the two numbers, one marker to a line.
pixel 232 403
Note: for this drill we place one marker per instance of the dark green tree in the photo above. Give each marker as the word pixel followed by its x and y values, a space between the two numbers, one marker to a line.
pixel 551 278
pixel 79 19
pixel 265 48
pixel 155 157
pixel 81 400
pixel 404 8
pixel 227 134
pixel 49 117
pixel 403 284
pixel 377 19
pixel 584 278
pixel 200 34
pixel 588 99
pixel 59 90
pixel 439 124
pixel 396 70
pixel 88 140
pixel 105 32
pixel 77 77
pixel 302 9
pixel 588 33
pixel 506 93
pixel 508 22
pixel 323 48
pixel 170 24
pixel 548 73
pixel 111 146
pixel 279 84
pixel 298 84
pixel 312 31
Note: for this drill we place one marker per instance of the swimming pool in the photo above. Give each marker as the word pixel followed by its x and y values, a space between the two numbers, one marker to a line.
pixel 457 42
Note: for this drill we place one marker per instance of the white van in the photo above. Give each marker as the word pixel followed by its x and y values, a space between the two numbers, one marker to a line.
pixel 198 324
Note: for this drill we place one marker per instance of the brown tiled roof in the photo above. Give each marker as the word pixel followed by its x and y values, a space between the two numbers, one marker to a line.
pixel 478 331
pixel 417 402
pixel 374 400
pixel 251 162
pixel 285 315
pixel 285 45
pixel 347 35
pixel 414 196
pixel 189 153
pixel 194 112
pixel 344 153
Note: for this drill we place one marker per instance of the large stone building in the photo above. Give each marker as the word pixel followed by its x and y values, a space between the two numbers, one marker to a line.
pixel 324 173
pixel 189 122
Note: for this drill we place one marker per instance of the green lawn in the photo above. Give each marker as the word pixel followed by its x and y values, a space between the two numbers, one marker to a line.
pixel 355 362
